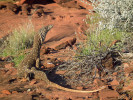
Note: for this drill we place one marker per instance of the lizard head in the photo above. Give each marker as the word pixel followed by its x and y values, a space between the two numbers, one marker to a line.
pixel 44 30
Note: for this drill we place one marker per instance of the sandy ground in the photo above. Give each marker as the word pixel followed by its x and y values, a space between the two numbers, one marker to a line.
pixel 68 30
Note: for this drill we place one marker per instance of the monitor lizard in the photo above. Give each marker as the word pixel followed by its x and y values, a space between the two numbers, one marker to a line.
pixel 30 64
pixel 33 58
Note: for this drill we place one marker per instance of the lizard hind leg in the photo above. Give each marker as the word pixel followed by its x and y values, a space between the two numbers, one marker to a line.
pixel 30 76
pixel 30 73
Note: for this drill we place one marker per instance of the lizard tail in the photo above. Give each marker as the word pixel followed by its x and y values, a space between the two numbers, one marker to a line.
pixel 72 90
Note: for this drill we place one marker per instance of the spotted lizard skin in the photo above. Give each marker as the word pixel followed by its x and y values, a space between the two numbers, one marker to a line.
pixel 33 58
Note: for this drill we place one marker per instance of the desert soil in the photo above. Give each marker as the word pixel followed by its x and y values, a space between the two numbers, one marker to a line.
pixel 61 41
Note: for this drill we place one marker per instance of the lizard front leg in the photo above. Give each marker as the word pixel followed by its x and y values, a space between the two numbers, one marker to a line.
pixel 38 63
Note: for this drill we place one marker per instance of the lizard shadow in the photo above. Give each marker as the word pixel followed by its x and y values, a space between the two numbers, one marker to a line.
pixel 43 2
pixel 55 78
pixel 42 8
pixel 47 13
pixel 51 76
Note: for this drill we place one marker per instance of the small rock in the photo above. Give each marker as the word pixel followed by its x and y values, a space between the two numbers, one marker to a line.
pixel 114 82
pixel 121 82
pixel 5 92
pixel 107 62
pixel 62 46
pixel 59 18
pixel 53 59
pixel 12 71
pixel 127 68
pixel 9 65
pixel 28 90
pixel 42 67
pixel 33 82
pixel 23 80
pixel 2 95
pixel 72 41
pixel 44 50
pixel 131 63
pixel 32 92
pixel 50 17
pixel 122 97
pixel 78 72
pixel 8 58
pixel 129 86
pixel 79 88
pixel 35 15
pixel 68 48
pixel 126 74
pixel 115 73
pixel 49 65
pixel 95 96
pixel 63 43
pixel 48 96
pixel 13 92
pixel 105 94
pixel 125 65
pixel 98 82
pixel 75 47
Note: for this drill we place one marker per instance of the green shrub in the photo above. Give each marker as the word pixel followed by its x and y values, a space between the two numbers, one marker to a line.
pixel 18 59
pixel 20 39
pixel 101 41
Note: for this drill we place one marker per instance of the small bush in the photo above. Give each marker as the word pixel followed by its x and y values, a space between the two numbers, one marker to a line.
pixel 116 13
pixel 101 41
pixel 20 39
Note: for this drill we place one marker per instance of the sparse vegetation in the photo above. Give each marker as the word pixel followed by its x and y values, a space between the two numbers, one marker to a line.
pixel 104 38
pixel 110 28
pixel 101 37
pixel 20 39
pixel 104 57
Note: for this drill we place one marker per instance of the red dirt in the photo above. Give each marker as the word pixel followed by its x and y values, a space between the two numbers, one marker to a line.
pixel 60 40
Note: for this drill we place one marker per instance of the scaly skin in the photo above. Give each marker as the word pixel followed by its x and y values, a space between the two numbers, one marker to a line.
pixel 32 59
pixel 27 65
